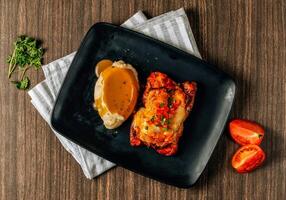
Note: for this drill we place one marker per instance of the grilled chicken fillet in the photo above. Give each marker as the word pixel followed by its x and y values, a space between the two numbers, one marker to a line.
pixel 159 124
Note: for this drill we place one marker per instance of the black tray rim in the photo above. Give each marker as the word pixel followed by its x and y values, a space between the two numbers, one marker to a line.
pixel 78 53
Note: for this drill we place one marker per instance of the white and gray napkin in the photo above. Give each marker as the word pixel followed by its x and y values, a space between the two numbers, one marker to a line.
pixel 172 28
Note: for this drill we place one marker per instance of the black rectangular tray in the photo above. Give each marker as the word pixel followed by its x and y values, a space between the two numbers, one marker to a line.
pixel 74 117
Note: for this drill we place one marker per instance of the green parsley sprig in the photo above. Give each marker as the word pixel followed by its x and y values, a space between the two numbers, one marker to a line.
pixel 26 55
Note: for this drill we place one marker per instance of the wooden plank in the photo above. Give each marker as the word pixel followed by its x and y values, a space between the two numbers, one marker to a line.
pixel 247 39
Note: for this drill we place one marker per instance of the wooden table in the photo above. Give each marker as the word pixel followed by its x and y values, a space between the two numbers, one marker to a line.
pixel 247 39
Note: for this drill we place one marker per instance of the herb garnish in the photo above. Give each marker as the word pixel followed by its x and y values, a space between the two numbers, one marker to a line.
pixel 170 102
pixel 163 120
pixel 26 54
pixel 23 84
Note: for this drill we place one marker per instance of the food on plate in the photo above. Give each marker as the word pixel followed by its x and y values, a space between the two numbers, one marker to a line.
pixel 246 132
pixel 247 158
pixel 159 124
pixel 115 93
pixel 102 65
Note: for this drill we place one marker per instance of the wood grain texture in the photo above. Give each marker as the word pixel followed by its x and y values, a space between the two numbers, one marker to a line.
pixel 247 39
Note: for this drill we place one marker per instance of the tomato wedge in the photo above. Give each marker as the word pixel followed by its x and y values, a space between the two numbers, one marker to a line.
pixel 246 132
pixel 247 158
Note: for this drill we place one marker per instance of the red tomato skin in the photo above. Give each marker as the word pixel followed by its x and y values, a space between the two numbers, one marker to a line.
pixel 246 132
pixel 248 163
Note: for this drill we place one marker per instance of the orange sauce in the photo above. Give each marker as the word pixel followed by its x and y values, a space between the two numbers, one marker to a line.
pixel 120 90
pixel 102 65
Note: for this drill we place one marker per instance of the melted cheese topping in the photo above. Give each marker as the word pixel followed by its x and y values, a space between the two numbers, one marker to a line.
pixel 152 132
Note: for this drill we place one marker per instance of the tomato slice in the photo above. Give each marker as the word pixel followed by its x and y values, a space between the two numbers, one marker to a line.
pixel 247 158
pixel 246 132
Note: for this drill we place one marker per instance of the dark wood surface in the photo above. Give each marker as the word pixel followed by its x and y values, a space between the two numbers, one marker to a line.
pixel 247 39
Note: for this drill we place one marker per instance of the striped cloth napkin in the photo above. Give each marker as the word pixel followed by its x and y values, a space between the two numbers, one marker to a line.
pixel 172 27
